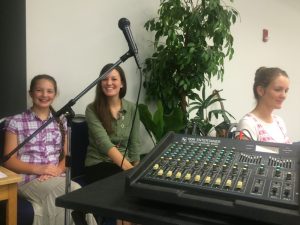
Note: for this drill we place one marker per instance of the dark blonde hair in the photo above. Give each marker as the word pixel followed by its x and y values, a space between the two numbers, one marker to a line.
pixel 57 119
pixel 264 76
pixel 40 77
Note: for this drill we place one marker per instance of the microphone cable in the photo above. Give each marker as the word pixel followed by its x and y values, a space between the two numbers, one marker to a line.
pixel 134 117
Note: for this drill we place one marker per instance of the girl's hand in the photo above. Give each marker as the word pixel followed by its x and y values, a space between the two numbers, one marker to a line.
pixel 51 170
pixel 44 177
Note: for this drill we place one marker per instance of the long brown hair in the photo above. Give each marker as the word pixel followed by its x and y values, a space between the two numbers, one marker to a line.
pixel 100 103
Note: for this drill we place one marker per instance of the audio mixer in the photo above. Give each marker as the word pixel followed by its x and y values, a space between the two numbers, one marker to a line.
pixel 255 180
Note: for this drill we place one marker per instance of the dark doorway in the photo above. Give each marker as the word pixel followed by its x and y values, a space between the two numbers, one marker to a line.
pixel 12 57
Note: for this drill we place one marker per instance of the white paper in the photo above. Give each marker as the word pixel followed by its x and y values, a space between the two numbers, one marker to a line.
pixel 2 175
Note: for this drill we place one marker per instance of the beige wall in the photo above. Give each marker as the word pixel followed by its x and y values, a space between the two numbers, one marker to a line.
pixel 73 39
pixel 282 50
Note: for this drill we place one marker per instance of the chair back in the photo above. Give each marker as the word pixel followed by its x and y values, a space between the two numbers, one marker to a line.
pixel 79 143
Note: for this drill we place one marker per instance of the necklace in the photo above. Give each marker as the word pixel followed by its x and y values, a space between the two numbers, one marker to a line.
pixel 120 119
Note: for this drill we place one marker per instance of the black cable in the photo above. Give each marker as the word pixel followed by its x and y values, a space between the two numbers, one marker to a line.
pixel 249 136
pixel 134 116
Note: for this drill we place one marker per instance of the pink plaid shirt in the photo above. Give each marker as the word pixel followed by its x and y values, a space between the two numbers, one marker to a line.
pixel 44 148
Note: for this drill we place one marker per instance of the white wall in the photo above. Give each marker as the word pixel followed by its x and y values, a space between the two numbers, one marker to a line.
pixel 73 39
pixel 282 50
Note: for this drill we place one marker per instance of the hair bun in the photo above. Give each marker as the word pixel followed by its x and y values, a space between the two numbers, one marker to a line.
pixel 260 69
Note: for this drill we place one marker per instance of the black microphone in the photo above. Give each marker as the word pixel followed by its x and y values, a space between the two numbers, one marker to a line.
pixel 124 25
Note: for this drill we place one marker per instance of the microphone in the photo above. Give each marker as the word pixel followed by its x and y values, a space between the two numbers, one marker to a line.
pixel 124 25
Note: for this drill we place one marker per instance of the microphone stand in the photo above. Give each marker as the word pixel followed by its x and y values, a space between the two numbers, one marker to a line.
pixel 68 161
pixel 67 111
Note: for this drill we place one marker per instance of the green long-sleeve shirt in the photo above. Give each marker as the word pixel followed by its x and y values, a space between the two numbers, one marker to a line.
pixel 100 142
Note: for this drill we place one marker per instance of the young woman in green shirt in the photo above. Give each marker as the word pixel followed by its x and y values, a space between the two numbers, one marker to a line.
pixel 109 120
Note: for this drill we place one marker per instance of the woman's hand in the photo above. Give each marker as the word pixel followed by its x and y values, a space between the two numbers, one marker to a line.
pixel 117 158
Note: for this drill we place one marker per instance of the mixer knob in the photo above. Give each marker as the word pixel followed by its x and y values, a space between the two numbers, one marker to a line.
pixel 156 166
pixel 287 192
pixel 197 178
pixel 169 173
pixel 224 168
pixel 274 190
pixel 277 172
pixel 218 181
pixel 160 172
pixel 197 165
pixel 256 189
pixel 228 183
pixel 178 175
pixel 244 170
pixel 214 167
pixel 234 169
pixel 239 184
pixel 289 176
pixel 187 176
pixel 207 180
pixel 261 169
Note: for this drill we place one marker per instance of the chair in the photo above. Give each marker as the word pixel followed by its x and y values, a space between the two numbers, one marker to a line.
pixel 24 208
pixel 79 143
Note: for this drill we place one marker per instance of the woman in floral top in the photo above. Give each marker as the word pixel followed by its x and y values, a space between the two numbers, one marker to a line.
pixel 270 90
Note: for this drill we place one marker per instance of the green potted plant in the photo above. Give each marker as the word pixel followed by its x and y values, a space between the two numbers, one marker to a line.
pixel 192 39
pixel 202 122
pixel 158 123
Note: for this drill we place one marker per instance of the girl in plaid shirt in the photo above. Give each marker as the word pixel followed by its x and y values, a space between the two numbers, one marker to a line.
pixel 41 161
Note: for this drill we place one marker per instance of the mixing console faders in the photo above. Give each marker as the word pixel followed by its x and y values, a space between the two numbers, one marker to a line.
pixel 210 173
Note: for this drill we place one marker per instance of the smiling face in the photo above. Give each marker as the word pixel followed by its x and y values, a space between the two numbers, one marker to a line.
pixel 43 93
pixel 112 84
pixel 275 93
